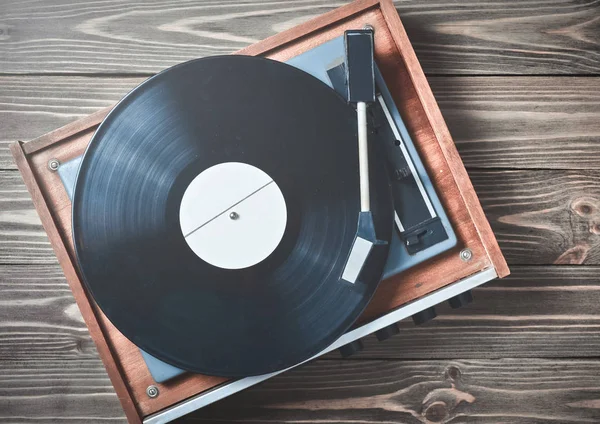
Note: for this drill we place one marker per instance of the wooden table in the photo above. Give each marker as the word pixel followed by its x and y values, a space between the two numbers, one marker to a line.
pixel 519 86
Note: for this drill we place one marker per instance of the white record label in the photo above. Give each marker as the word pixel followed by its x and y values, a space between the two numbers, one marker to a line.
pixel 233 215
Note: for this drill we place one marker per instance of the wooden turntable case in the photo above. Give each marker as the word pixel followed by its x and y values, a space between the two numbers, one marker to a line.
pixel 405 79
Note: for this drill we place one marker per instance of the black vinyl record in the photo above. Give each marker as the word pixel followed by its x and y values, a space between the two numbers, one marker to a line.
pixel 131 251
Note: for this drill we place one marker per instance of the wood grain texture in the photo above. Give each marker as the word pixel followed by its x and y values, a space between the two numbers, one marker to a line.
pixel 476 391
pixel 53 391
pixel 38 316
pixel 23 239
pixel 522 122
pixel 469 37
pixel 496 122
pixel 32 106
pixel 369 391
pixel 539 217
pixel 543 217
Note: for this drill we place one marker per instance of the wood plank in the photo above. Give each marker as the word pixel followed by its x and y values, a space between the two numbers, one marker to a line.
pixel 469 37
pixel 33 106
pixel 38 316
pixel 425 391
pixel 538 216
pixel 476 391
pixel 57 390
pixel 23 239
pixel 543 217
pixel 522 122
pixel 536 312
pixel 497 122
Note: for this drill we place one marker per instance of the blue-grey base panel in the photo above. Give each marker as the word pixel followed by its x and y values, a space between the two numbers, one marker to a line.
pixel 316 62
pixel 161 371
pixel 226 389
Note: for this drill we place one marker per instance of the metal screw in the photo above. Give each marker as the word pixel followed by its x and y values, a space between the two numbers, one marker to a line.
pixel 234 215
pixel 152 391
pixel 53 164
pixel 466 254
pixel 369 26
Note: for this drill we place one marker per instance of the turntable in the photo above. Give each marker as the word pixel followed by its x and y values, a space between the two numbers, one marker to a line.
pixel 236 216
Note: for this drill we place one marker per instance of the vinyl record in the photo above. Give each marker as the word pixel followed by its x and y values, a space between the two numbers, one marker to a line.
pixel 198 119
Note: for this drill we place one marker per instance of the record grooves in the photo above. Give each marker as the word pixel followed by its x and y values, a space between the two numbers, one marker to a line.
pixel 126 216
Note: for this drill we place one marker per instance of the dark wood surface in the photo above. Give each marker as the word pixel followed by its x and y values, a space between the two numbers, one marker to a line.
pixel 467 37
pixel 519 86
